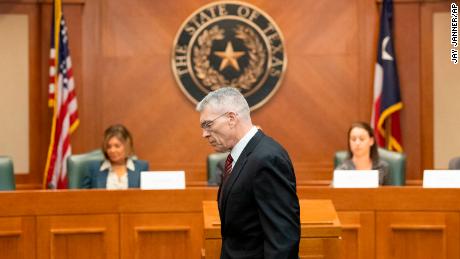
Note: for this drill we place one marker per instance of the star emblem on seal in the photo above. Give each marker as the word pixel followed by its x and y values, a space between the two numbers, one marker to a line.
pixel 229 57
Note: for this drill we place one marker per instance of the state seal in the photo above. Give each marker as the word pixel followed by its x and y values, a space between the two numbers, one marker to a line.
pixel 229 43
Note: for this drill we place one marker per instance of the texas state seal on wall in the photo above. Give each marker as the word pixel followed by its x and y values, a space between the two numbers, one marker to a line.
pixel 229 43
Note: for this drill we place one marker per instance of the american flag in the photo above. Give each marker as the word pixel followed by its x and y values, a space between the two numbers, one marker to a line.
pixel 62 98
pixel 387 99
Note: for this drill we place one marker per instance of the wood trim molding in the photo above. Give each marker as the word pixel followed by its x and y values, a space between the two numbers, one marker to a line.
pixel 355 227
pixel 31 186
pixel 66 2
pixel 414 182
pixel 72 231
pixel 163 229
pixel 417 227
pixel 10 233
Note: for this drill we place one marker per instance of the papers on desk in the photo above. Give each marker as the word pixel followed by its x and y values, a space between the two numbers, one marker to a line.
pixel 441 179
pixel 162 180
pixel 355 179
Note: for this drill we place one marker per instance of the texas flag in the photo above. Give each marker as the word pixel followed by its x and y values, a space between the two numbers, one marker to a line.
pixel 387 98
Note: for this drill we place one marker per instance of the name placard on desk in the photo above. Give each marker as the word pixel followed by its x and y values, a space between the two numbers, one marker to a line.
pixel 441 179
pixel 355 179
pixel 162 180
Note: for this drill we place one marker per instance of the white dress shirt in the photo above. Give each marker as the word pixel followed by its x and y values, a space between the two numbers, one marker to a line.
pixel 115 182
pixel 239 147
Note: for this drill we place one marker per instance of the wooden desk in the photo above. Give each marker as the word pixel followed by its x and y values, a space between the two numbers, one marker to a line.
pixel 389 222
pixel 102 224
pixel 320 230
pixel 395 222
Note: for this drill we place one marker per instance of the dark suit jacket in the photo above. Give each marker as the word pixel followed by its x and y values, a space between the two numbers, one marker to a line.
pixel 98 179
pixel 259 208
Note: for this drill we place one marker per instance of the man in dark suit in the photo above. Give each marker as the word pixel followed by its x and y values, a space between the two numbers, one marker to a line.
pixel 258 204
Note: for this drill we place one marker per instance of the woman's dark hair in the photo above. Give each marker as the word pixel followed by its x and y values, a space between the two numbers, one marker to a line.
pixel 121 133
pixel 374 153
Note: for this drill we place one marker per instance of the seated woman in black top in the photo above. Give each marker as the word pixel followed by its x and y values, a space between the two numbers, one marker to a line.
pixel 119 170
pixel 363 153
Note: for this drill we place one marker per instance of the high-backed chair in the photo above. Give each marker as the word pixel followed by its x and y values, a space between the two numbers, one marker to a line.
pixel 215 164
pixel 395 160
pixel 7 181
pixel 77 166
pixel 454 163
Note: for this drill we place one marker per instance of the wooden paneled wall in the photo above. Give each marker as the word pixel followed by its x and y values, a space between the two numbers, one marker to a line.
pixel 122 53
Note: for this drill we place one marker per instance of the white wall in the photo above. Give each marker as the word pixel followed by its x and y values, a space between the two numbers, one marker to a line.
pixel 446 91
pixel 14 90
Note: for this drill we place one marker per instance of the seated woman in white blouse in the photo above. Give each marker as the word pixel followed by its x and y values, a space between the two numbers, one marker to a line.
pixel 119 170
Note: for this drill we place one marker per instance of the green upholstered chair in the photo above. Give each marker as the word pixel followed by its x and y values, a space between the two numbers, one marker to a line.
pixel 7 181
pixel 396 161
pixel 77 166
pixel 214 170
pixel 454 163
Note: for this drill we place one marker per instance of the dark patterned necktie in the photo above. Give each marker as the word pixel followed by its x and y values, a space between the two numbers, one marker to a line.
pixel 228 168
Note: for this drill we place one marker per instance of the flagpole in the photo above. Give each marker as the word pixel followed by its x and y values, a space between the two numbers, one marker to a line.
pixel 57 29
pixel 388 133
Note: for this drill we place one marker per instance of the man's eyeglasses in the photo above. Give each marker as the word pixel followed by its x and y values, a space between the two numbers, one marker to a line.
pixel 206 125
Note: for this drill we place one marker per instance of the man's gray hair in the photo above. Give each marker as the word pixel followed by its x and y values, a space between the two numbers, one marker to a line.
pixel 226 99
